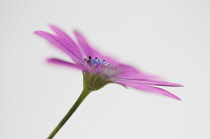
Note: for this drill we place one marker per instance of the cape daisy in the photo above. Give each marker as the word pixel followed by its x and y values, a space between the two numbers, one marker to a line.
pixel 99 69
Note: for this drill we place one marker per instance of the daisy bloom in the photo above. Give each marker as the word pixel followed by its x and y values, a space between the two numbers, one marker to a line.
pixel 98 69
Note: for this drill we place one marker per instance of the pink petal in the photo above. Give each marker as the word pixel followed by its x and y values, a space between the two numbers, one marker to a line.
pixel 159 83
pixel 56 41
pixel 64 63
pixel 148 88
pixel 85 47
pixel 88 50
pixel 129 73
pixel 67 39
pixel 126 71
pixel 149 82
pixel 110 60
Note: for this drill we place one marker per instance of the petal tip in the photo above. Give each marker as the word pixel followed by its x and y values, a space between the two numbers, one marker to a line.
pixel 177 85
pixel 50 60
pixel 52 26
pixel 76 32
pixel 36 32
pixel 177 98
pixel 39 32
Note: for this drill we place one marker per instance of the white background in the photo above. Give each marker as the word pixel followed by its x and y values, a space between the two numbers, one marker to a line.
pixel 167 38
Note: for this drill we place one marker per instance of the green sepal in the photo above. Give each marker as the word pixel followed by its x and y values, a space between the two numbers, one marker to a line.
pixel 94 81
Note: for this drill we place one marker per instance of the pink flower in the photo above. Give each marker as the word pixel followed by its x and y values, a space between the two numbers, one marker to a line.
pixel 98 69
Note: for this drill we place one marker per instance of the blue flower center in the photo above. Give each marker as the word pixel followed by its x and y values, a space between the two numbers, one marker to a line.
pixel 97 62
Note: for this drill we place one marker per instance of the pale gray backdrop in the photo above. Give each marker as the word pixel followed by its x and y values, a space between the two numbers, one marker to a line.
pixel 167 38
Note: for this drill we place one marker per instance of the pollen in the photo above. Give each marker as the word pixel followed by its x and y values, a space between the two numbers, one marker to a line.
pixel 96 62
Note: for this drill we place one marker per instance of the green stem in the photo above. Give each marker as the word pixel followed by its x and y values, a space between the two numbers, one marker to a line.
pixel 82 96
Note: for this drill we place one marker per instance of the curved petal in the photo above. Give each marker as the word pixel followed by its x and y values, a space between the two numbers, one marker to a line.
pixel 67 39
pixel 64 63
pixel 87 50
pixel 56 41
pixel 148 88
pixel 85 47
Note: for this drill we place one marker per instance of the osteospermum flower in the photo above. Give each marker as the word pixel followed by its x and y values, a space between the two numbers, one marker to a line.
pixel 98 69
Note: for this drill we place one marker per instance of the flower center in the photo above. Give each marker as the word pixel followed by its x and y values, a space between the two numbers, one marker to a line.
pixel 100 66
pixel 97 62
pixel 99 73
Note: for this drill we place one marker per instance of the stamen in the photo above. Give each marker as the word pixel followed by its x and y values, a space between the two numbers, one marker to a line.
pixel 98 62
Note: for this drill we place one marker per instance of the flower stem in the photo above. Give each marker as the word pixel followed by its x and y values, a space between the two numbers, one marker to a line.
pixel 82 96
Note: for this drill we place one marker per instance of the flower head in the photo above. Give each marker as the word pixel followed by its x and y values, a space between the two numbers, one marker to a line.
pixel 98 69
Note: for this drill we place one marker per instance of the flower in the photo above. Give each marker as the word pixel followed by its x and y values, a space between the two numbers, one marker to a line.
pixel 98 69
